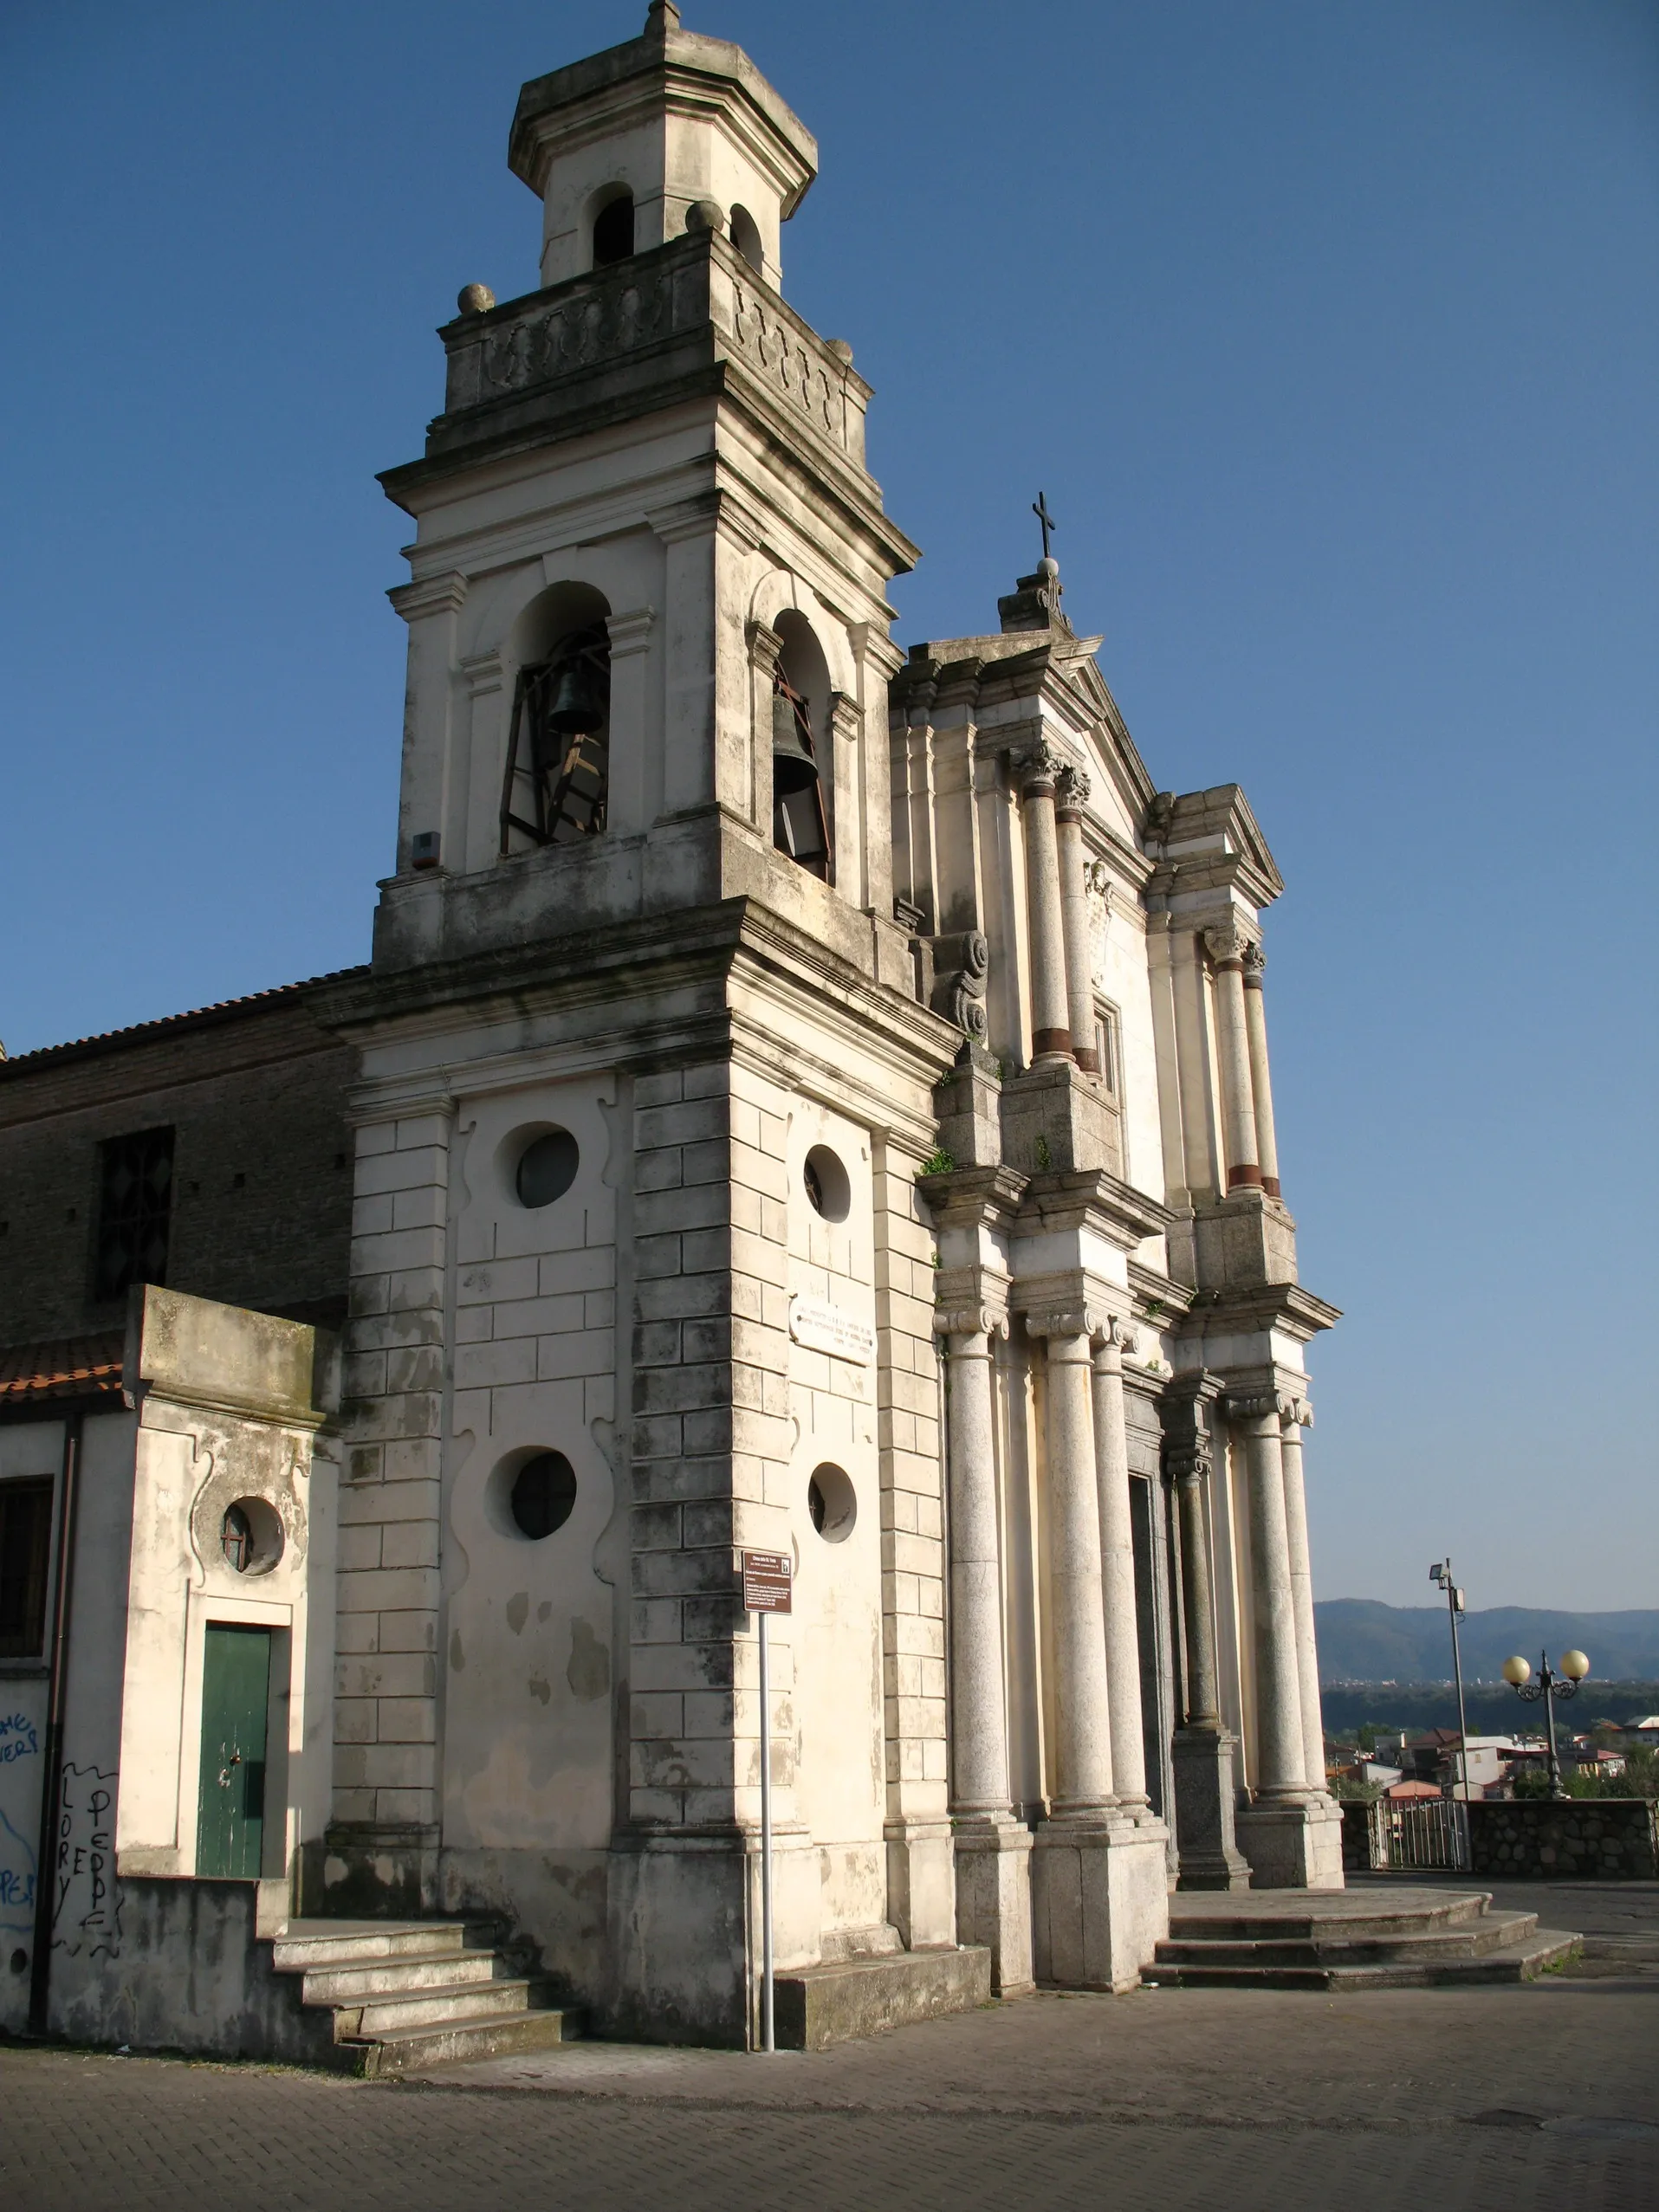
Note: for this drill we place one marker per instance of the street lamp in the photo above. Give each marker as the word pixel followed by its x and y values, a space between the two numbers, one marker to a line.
pixel 1550 1685
pixel 1441 1572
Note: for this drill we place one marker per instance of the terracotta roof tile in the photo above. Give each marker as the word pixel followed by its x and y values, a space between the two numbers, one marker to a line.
pixel 219 1008
pixel 65 1366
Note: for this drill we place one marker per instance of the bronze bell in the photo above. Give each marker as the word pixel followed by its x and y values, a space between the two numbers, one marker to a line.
pixel 794 767
pixel 578 698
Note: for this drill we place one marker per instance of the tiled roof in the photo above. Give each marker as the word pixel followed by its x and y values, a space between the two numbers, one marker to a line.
pixel 65 1366
pixel 137 1029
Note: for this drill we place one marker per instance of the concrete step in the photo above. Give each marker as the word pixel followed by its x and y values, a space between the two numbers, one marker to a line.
pixel 344 1985
pixel 305 1943
pixel 438 2004
pixel 1315 1924
pixel 1473 1939
pixel 1513 1962
pixel 821 2005
pixel 489 2036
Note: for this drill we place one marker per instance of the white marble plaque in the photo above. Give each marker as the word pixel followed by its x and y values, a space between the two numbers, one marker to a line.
pixel 821 1327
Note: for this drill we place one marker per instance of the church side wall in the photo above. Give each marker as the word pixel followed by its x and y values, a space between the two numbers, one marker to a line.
pixel 262 1181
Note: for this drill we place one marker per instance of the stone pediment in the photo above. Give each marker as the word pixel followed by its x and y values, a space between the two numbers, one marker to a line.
pixel 1210 840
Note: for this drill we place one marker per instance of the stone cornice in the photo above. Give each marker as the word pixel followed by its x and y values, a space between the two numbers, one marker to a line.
pixel 1091 1197
pixel 973 1197
pixel 1284 1306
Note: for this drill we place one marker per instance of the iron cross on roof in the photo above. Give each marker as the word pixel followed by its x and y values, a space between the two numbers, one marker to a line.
pixel 1040 509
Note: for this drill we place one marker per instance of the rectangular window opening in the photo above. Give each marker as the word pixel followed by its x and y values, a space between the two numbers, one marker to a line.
pixel 134 1212
pixel 25 1549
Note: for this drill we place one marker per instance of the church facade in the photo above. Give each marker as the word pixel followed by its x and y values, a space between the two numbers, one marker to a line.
pixel 804 1097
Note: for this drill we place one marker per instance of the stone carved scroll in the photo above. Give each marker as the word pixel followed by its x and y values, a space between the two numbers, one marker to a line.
pixel 961 966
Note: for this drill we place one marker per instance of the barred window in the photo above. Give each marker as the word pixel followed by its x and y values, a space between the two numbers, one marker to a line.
pixel 135 1211
pixel 25 1536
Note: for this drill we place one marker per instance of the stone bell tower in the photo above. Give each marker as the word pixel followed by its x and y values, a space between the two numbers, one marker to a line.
pixel 640 1277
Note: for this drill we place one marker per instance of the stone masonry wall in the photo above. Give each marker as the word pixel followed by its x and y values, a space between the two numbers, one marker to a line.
pixel 1611 1839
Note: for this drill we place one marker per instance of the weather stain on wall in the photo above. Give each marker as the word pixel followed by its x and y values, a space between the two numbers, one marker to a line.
pixel 589 1672
pixel 457 1657
pixel 518 1611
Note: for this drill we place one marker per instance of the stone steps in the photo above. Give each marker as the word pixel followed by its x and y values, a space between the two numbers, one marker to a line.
pixel 821 2005
pixel 408 1994
pixel 1342 1940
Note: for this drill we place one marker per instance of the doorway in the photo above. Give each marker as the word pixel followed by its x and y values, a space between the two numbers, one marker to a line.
pixel 236 1697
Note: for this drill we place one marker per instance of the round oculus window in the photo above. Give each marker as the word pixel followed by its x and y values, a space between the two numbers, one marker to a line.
pixel 543 1495
pixel 251 1535
pixel 833 1503
pixel 828 1192
pixel 547 1167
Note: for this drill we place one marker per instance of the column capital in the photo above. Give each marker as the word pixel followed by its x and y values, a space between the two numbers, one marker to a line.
pixel 970 1321
pixel 1035 765
pixel 629 631
pixel 1295 1413
pixel 846 715
pixel 1255 961
pixel 1113 1337
pixel 1072 791
pixel 1260 1405
pixel 1227 944
pixel 1075 1321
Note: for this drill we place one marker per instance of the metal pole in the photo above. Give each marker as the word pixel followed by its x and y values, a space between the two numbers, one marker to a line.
pixel 52 1770
pixel 1457 1671
pixel 767 2042
pixel 1556 1790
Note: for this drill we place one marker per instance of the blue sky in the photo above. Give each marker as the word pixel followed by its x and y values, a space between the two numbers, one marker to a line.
pixel 1332 332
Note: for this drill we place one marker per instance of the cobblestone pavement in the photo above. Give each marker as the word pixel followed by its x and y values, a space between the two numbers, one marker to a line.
pixel 1509 2099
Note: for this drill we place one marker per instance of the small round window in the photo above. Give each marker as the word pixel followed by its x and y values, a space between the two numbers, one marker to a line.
pixel 828 1191
pixel 543 1495
pixel 547 1167
pixel 251 1536
pixel 833 1503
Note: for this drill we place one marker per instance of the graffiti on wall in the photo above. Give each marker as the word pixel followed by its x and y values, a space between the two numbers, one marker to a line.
pixel 87 1911
pixel 20 1749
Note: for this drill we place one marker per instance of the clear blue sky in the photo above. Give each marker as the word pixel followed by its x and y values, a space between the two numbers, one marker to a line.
pixel 1332 332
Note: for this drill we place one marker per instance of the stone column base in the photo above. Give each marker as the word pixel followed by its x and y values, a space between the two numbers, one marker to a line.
pixel 1206 1788
pixel 921 1887
pixel 1100 1902
pixel 1292 1847
pixel 994 1898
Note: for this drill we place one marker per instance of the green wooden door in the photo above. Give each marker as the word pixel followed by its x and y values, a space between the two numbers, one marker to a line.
pixel 236 1688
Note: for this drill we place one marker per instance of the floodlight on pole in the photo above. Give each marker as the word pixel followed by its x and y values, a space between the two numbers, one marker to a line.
pixel 1441 1572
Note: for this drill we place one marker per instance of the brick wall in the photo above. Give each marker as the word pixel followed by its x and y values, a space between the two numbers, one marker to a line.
pixel 262 1164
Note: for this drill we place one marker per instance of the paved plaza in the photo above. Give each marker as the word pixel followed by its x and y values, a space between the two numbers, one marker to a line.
pixel 1506 2098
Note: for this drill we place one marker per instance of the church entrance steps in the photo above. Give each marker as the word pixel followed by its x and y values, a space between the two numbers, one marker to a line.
pixel 821 2005
pixel 1301 1939
pixel 411 1993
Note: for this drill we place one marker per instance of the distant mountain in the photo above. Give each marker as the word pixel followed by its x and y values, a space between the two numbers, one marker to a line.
pixel 1361 1640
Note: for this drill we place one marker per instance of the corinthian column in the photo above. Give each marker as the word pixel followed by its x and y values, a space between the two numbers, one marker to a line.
pixel 992 1847
pixel 1051 1033
pixel 1227 949
pixel 979 1738
pixel 1072 793
pixel 1297 1414
pixel 1205 1781
pixel 1117 1567
pixel 1082 1711
pixel 1255 1020
pixel 1280 1760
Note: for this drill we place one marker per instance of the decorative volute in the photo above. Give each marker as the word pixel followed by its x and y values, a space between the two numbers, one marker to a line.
pixel 687 125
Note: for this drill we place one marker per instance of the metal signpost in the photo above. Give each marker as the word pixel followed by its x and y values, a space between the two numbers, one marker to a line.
pixel 766 1590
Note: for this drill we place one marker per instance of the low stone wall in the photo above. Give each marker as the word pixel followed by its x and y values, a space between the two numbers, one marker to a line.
pixel 1532 1838
pixel 1356 1837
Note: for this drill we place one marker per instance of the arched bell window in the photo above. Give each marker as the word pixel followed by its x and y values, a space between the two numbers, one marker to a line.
pixel 558 752
pixel 798 827
pixel 613 229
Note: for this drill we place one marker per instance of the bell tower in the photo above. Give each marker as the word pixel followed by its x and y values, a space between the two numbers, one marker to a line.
pixel 640 1275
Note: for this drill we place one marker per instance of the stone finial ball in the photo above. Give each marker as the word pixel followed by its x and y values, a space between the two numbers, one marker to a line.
pixel 1574 1666
pixel 476 300
pixel 1048 568
pixel 705 214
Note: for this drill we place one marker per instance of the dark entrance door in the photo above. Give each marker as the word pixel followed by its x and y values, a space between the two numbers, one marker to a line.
pixel 236 1688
